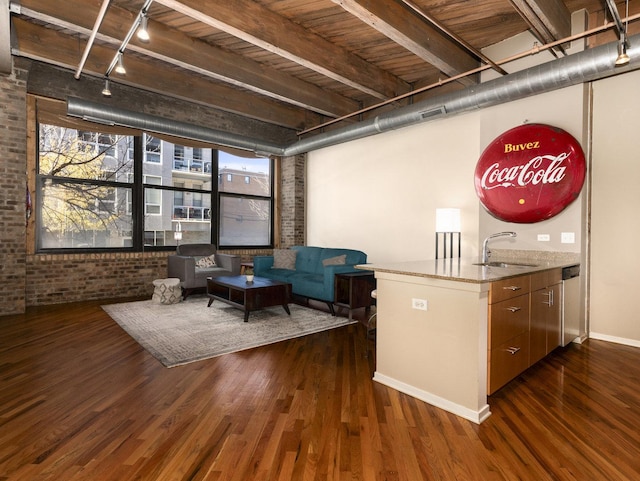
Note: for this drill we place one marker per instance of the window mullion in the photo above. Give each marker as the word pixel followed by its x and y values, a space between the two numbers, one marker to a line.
pixel 138 194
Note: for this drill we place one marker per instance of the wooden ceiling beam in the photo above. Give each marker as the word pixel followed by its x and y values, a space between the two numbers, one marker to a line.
pixel 550 20
pixel 176 48
pixel 262 27
pixel 41 43
pixel 403 27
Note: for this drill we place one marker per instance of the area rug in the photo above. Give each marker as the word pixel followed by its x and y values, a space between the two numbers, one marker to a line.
pixel 190 331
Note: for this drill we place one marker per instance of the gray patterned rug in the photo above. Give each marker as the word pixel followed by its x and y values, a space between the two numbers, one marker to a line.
pixel 190 331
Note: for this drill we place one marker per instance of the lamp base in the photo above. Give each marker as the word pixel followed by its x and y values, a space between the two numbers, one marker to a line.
pixel 449 239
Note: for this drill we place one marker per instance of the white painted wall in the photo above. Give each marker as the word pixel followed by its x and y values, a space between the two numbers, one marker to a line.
pixel 380 194
pixel 615 222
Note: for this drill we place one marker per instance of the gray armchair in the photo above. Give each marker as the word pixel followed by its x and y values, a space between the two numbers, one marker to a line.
pixel 183 266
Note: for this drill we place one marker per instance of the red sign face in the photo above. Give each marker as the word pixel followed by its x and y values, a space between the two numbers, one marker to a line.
pixel 530 173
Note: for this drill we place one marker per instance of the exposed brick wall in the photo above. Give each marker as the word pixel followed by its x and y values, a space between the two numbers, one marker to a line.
pixel 292 219
pixel 60 278
pixel 13 166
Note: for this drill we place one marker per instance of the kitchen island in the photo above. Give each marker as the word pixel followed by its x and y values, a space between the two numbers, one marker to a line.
pixel 432 328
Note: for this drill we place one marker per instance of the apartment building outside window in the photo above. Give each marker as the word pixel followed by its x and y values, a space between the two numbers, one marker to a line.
pixel 153 150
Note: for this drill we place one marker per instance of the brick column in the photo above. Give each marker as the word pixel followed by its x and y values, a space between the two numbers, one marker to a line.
pixel 13 177
pixel 292 201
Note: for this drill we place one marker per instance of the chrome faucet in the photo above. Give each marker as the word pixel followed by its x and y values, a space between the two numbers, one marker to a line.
pixel 485 244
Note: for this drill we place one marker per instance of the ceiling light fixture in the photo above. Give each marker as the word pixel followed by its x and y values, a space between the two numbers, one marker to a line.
pixel 106 91
pixel 118 62
pixel 120 66
pixel 623 57
pixel 143 33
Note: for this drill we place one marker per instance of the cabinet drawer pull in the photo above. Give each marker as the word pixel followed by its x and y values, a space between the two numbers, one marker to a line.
pixel 512 288
pixel 513 350
pixel 513 309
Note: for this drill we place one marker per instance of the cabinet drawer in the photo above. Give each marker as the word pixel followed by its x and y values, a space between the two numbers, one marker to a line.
pixel 507 361
pixel 540 280
pixel 508 319
pixel 508 288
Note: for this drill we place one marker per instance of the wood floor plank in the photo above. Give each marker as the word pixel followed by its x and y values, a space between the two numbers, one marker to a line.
pixel 82 401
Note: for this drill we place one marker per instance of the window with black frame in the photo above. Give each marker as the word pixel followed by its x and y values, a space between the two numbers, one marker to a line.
pixel 85 188
pixel 245 195
pixel 90 197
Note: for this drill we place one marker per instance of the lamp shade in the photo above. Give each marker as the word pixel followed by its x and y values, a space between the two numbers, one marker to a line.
pixel 447 220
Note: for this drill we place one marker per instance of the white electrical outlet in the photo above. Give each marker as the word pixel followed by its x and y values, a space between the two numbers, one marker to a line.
pixel 420 304
pixel 544 237
pixel 568 237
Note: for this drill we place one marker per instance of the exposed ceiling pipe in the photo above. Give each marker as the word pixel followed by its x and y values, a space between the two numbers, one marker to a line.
pixel 586 66
pixel 104 114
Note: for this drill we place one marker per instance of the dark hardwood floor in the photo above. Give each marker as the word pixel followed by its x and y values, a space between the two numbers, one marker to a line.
pixel 81 400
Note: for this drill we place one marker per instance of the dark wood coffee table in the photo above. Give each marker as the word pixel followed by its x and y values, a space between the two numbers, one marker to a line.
pixel 249 296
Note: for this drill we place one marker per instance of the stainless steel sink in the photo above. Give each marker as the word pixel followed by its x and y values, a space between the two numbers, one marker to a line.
pixel 503 264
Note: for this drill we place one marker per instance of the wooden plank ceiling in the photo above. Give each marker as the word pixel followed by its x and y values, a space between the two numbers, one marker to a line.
pixel 294 63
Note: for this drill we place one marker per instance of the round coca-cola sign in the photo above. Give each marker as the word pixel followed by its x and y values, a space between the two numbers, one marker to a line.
pixel 530 173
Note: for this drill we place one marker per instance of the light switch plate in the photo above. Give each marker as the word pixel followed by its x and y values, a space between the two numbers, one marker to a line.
pixel 568 237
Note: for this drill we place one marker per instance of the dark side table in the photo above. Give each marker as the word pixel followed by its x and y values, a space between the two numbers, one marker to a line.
pixel 353 290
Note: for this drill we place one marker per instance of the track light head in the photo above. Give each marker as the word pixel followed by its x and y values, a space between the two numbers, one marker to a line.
pixel 623 57
pixel 120 65
pixel 143 33
pixel 106 91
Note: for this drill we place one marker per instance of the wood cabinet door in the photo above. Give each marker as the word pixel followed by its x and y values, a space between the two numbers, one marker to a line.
pixel 545 323
pixel 540 300
pixel 554 319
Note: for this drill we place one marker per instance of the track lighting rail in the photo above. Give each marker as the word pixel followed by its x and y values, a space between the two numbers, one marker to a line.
pixel 137 22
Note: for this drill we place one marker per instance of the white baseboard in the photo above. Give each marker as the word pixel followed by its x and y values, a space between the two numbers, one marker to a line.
pixel 437 401
pixel 617 340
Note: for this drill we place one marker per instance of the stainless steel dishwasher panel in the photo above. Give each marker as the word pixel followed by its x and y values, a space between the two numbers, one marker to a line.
pixel 570 304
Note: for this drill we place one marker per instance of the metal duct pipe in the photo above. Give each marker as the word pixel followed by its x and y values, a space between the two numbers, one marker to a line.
pixel 104 114
pixel 586 66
